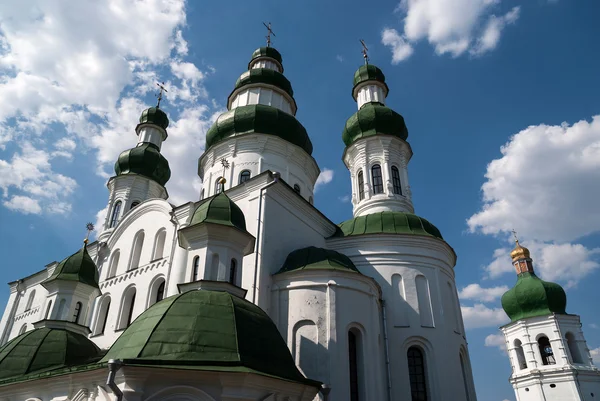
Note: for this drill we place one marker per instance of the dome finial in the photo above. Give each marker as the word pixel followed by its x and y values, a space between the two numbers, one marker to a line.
pixel 520 252
pixel 365 51
pixel 90 228
pixel 160 94
pixel 269 34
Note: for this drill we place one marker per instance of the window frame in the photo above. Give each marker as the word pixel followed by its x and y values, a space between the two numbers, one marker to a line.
pixel 417 371
pixel 244 176
pixel 114 216
pixel 396 182
pixel 377 180
pixel 361 185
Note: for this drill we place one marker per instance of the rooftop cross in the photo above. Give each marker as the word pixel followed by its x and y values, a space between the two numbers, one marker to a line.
pixel 269 34
pixel 160 94
pixel 515 235
pixel 90 228
pixel 364 51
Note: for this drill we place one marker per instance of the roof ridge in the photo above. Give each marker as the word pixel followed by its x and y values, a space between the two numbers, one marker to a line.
pixel 37 350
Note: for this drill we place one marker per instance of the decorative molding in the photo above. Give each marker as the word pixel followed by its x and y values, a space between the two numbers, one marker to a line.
pixel 133 273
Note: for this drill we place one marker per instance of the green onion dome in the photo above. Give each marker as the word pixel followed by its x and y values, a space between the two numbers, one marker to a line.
pixel 265 76
pixel 373 119
pixel 313 258
pixel 78 267
pixel 43 350
pixel 145 159
pixel 389 223
pixel 532 296
pixel 260 119
pixel 210 330
pixel 155 116
pixel 368 72
pixel 266 52
pixel 219 209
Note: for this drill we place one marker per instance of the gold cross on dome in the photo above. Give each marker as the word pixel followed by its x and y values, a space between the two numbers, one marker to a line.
pixel 365 51
pixel 90 228
pixel 160 94
pixel 269 34
pixel 515 235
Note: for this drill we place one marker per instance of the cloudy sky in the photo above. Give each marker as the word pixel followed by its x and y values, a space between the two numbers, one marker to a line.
pixel 500 98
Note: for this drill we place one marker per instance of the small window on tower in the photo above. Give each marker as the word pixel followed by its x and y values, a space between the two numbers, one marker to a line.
pixel 244 176
pixel 546 351
pixel 396 180
pixel 114 218
pixel 361 185
pixel 377 179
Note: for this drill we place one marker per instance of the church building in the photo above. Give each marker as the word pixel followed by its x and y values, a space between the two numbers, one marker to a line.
pixel 250 292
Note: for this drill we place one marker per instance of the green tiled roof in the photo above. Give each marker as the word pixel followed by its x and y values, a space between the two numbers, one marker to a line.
pixel 265 76
pixel 373 119
pixel 313 258
pixel 206 328
pixel 219 210
pixel 261 119
pixel 156 116
pixel 389 223
pixel 532 296
pixel 145 159
pixel 45 349
pixel 369 72
pixel 77 267
pixel 267 52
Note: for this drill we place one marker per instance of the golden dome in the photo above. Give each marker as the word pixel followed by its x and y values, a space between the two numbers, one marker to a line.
pixel 520 252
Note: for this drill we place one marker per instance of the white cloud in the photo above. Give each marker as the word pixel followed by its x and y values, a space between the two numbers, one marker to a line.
pixel 324 178
pixel 478 293
pixel 344 199
pixel 496 340
pixel 339 58
pixel 491 35
pixel 480 315
pixel 450 26
pixel 595 353
pixel 23 204
pixel 594 326
pixel 401 49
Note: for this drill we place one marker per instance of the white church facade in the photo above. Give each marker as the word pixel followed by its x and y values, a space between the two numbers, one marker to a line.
pixel 249 293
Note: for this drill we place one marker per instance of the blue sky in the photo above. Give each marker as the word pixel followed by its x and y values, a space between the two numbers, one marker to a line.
pixel 499 98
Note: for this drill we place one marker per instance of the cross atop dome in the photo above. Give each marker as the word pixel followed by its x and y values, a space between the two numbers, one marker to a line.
pixel 160 94
pixel 365 51
pixel 269 34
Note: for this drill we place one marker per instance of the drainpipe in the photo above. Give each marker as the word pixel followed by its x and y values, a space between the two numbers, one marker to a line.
pixel 387 352
pixel 258 227
pixel 113 366
pixel 173 247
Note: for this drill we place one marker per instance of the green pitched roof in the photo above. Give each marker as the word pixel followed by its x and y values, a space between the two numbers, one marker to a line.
pixel 145 159
pixel 269 52
pixel 389 223
pixel 532 296
pixel 207 328
pixel 219 210
pixel 260 119
pixel 313 258
pixel 45 349
pixel 77 267
pixel 265 76
pixel 373 119
pixel 156 116
pixel 368 72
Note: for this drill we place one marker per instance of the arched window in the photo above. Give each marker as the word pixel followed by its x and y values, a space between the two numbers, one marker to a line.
pixel 355 361
pixel 102 316
pixel 377 179
pixel 297 188
pixel 159 244
pixel 416 372
pixel 396 180
pixel 573 348
pixel 114 217
pixel 521 362
pixel 128 304
pixel 546 351
pixel 114 263
pixel 136 252
pixel 244 176
pixel 23 329
pixel 134 204
pixel 160 292
pixel 195 268
pixel 361 185
pixel 219 185
pixel 61 310
pixel 77 313
pixel 232 271
pixel 30 300
pixel 156 292
pixel 48 309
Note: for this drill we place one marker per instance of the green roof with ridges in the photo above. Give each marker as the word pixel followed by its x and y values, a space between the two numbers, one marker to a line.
pixel 313 258
pixel 389 223
pixel 219 209
pixel 78 267
pixel 145 159
pixel 374 119
pixel 532 296
pixel 369 72
pixel 156 116
pixel 265 76
pixel 269 52
pixel 45 349
pixel 260 119
pixel 207 328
